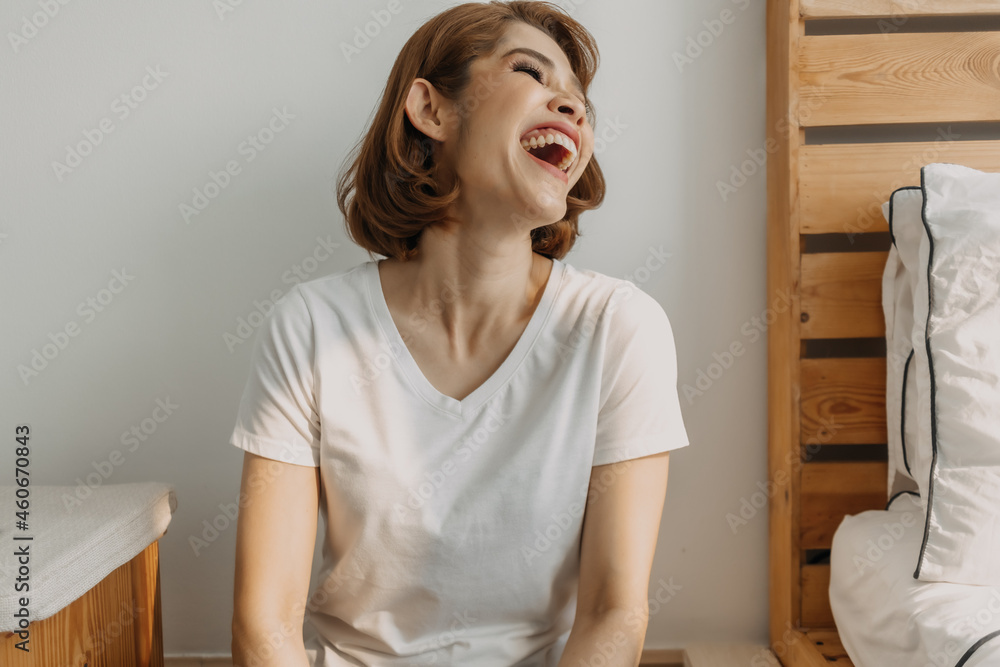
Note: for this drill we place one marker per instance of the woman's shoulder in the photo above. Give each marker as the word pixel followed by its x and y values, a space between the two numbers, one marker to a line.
pixel 609 295
pixel 321 304
pixel 351 277
pixel 339 289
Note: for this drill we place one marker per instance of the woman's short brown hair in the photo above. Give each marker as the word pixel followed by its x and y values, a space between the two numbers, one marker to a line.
pixel 398 188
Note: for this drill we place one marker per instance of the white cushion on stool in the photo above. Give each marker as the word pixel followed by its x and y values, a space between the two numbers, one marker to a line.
pixel 78 544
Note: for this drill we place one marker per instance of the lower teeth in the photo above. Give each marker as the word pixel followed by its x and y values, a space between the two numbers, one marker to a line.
pixel 562 166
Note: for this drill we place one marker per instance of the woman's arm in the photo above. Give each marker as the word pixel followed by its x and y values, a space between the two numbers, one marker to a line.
pixel 620 528
pixel 275 539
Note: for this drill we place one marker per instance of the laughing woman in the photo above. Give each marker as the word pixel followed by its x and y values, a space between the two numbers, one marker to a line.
pixel 484 428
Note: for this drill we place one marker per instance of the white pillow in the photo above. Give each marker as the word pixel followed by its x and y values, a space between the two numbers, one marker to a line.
pixel 956 340
pixel 909 465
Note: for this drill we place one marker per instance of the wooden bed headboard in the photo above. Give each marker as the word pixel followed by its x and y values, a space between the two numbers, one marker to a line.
pixel 827 247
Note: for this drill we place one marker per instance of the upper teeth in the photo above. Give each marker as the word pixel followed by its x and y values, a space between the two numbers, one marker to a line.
pixel 543 137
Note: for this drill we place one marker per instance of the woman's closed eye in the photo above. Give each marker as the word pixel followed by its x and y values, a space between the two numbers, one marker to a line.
pixel 529 68
pixel 524 66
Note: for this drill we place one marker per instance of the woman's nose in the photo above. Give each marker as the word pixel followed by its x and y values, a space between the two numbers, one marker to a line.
pixel 569 104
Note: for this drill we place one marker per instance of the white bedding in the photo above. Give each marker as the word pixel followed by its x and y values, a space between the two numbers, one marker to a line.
pixel 886 617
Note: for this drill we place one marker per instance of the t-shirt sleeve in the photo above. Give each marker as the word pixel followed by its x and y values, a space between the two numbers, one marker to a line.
pixel 277 416
pixel 640 411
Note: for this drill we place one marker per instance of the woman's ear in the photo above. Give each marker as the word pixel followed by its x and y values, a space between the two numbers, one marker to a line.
pixel 428 110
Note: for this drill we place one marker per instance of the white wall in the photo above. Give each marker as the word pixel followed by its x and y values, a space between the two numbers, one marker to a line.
pixel 683 126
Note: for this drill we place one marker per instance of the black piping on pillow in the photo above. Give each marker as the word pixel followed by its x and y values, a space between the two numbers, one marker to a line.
pixel 897 495
pixel 975 647
pixel 902 414
pixel 930 373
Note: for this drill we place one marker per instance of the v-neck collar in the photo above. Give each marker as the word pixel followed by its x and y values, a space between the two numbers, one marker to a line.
pixel 419 381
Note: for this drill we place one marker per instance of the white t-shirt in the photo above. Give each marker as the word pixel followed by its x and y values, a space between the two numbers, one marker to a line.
pixel 453 527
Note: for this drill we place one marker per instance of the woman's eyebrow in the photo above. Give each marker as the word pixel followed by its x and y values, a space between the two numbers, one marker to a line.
pixel 547 62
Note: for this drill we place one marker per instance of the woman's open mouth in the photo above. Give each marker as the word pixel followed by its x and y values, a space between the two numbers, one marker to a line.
pixel 552 149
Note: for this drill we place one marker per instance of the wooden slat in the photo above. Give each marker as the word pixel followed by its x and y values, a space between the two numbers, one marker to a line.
pixel 829 491
pixel 827 641
pixel 145 573
pixel 783 32
pixel 800 651
pixel 816 612
pixel 841 295
pixel 843 401
pixel 842 186
pixel 822 9
pixel 899 78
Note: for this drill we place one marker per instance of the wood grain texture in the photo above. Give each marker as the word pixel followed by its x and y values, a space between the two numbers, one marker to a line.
pixel 827 642
pixel 843 186
pixel 842 295
pixel 145 571
pixel 115 623
pixel 783 33
pixel 830 491
pixel 832 80
pixel 843 401
pixel 800 651
pixel 819 9
pixel 899 78
pixel 816 612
